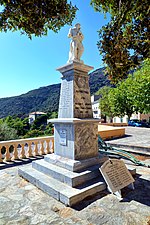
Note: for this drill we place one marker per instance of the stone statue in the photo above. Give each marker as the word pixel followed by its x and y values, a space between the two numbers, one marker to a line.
pixel 76 46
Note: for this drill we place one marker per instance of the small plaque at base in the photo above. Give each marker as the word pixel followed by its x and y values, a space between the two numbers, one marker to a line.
pixel 63 137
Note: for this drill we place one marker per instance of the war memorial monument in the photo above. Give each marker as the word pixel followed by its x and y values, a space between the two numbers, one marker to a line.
pixel 71 173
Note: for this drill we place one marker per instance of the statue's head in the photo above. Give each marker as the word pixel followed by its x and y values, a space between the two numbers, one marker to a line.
pixel 77 25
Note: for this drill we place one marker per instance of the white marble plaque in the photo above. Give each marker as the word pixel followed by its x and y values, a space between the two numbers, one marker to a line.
pixel 63 138
pixel 116 174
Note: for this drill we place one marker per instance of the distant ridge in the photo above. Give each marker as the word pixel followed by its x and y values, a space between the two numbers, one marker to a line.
pixel 45 98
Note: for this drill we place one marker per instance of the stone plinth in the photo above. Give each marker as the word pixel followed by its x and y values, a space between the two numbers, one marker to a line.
pixel 76 138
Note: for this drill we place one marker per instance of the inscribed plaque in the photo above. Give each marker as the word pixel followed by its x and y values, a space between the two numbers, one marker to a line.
pixel 116 174
pixel 63 139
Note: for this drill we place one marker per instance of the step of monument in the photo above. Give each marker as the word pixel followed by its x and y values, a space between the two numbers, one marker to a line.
pixel 61 191
pixel 72 179
pixel 73 165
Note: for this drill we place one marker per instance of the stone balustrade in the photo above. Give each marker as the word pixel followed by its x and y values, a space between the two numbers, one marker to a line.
pixel 25 148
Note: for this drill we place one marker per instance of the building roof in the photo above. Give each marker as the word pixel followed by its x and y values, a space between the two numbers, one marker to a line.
pixel 39 113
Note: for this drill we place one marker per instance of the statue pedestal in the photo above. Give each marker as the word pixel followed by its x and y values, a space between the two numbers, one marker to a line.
pixel 76 138
pixel 73 168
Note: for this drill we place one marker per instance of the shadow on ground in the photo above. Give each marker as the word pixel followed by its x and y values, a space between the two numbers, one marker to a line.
pixel 89 200
pixel 140 194
pixel 19 162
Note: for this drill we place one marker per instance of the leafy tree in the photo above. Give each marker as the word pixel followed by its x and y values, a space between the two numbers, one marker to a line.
pixel 15 123
pixel 19 125
pixel 105 101
pixel 35 16
pixel 141 88
pixel 26 125
pixel 121 103
pixel 54 115
pixel 125 40
pixel 7 133
pixel 40 120
pixel 34 133
pixel 133 94
pixel 9 120
pixel 49 130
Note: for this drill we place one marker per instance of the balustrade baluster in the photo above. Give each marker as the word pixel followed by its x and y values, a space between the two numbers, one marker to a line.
pixel 29 150
pixel 7 154
pixel 1 160
pixel 22 155
pixel 15 153
pixel 47 147
pixel 52 145
pixel 42 148
pixel 36 148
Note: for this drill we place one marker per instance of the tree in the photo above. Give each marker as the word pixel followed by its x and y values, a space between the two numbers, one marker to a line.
pixel 117 101
pixel 34 133
pixel 35 16
pixel 125 40
pixel 54 115
pixel 133 94
pixel 141 88
pixel 105 101
pixel 7 133
pixel 15 123
pixel 40 120
pixel 19 125
pixel 26 125
pixel 121 103
pixel 49 130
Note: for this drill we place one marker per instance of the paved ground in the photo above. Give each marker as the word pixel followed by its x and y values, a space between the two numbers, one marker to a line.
pixel 136 137
pixel 21 203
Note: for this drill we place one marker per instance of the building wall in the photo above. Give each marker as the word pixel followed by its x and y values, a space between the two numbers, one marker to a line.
pixel 95 108
pixel 138 116
pixel 31 118
pixel 145 117
pixel 120 120
pixel 34 115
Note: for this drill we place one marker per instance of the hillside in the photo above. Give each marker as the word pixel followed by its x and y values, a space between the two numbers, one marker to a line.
pixel 97 80
pixel 45 98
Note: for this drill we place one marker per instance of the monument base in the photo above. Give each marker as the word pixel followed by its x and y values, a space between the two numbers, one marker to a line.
pixel 73 165
pixel 55 176
pixel 75 138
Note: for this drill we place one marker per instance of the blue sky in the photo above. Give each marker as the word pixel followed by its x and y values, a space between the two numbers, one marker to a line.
pixel 29 64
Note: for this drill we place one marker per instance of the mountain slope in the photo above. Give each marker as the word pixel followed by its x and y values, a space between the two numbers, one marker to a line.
pixel 45 98
pixel 97 80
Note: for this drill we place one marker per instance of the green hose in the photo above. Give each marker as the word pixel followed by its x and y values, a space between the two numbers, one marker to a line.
pixel 103 147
